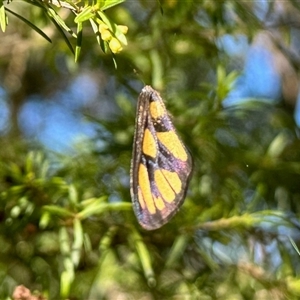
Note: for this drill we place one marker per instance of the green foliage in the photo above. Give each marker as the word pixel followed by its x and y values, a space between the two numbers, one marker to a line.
pixel 112 40
pixel 67 227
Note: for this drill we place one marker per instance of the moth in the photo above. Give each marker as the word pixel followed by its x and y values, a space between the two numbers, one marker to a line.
pixel 161 165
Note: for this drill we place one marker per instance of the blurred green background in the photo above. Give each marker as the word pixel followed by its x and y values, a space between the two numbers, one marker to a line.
pixel 228 71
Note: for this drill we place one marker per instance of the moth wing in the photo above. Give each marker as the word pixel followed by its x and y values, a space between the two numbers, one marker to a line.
pixel 161 164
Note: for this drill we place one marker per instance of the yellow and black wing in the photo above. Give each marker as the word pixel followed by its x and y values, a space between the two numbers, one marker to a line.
pixel 161 165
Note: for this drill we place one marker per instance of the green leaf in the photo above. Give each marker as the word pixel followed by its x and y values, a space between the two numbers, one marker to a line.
pixel 96 31
pixel 221 75
pixel 60 22
pixel 67 276
pixel 106 20
pixel 45 220
pixel 29 162
pixel 15 171
pixel 91 201
pixel 58 211
pixel 77 243
pixel 85 15
pixel 66 280
pixel 177 250
pixel 114 61
pixel 31 25
pixel 16 190
pixel 95 208
pixel 144 255
pixel 64 241
pixel 98 208
pixel 44 168
pixel 106 240
pixel 109 3
pixel 3 17
pixel 73 195
pixel 61 26
pixel 279 143
pixel 294 245
pixel 59 182
pixel 79 41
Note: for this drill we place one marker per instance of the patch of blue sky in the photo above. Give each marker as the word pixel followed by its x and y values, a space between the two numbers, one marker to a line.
pixel 260 79
pixel 63 129
pixel 297 111
pixel 82 90
pixel 261 8
pixel 58 124
pixel 234 45
pixel 4 113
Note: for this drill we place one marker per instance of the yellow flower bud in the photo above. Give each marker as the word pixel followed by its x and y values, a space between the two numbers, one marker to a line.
pixel 102 27
pixel 105 33
pixel 123 28
pixel 115 46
